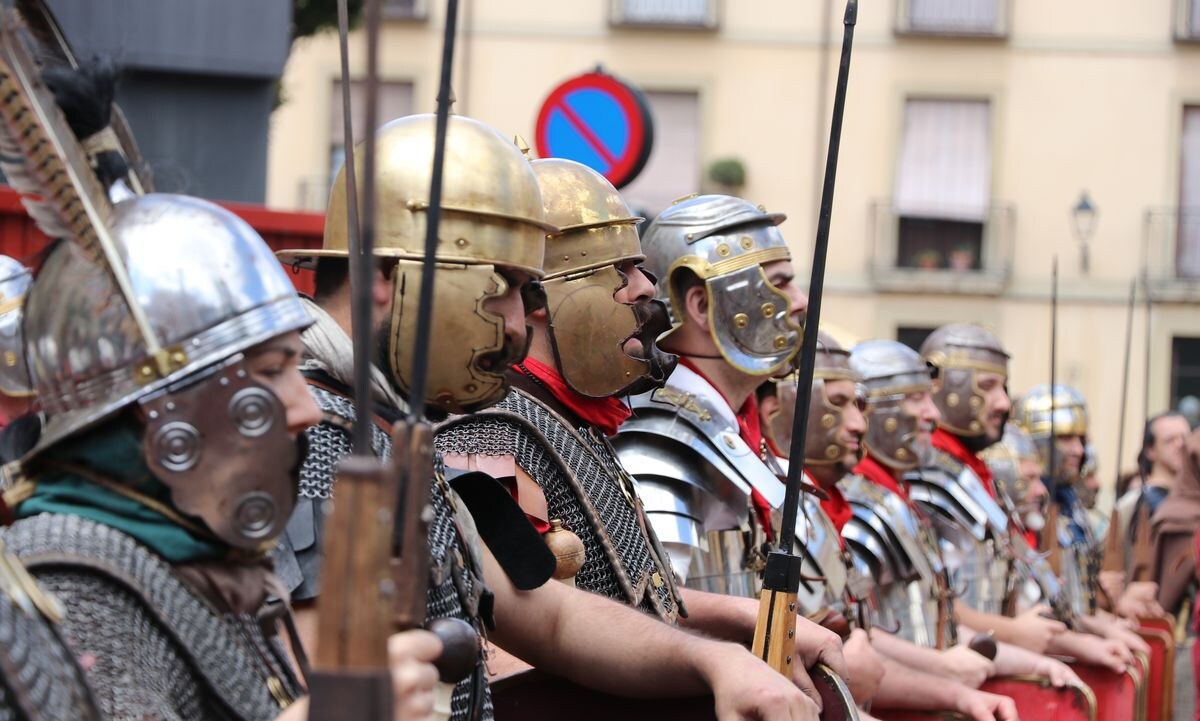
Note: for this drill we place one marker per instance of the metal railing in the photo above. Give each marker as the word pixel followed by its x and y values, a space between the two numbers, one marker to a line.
pixel 1187 20
pixel 687 14
pixel 953 18
pixel 1171 256
pixel 912 254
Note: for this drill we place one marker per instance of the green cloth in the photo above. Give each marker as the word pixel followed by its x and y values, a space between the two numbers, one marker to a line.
pixel 115 452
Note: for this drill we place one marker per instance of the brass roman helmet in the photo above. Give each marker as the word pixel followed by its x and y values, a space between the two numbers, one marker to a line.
pixel 1032 413
pixel 588 327
pixel 960 351
pixel 492 226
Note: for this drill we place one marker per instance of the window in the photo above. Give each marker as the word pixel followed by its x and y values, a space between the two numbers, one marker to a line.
pixel 1185 369
pixel 665 13
pixel 943 184
pixel 913 336
pixel 673 169
pixel 395 101
pixel 952 17
pixel 1187 20
pixel 1187 248
pixel 404 9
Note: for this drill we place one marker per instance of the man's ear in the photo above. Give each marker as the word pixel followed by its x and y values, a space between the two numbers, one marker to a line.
pixel 768 406
pixel 695 301
pixel 381 287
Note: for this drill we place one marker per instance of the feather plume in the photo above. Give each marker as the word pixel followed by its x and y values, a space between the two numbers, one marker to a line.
pixel 45 163
pixel 54 52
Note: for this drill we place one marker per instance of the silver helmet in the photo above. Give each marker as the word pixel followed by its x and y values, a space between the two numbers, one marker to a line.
pixel 960 351
pixel 15 280
pixel 724 241
pixel 210 289
pixel 1004 459
pixel 1032 413
pixel 890 371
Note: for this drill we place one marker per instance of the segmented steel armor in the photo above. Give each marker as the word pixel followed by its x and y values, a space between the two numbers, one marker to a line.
pixel 156 649
pixel 39 678
pixel 832 579
pixel 455 576
pixel 911 595
pixel 585 487
pixel 973 531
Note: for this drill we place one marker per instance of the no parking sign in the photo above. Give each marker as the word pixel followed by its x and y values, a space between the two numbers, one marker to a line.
pixel 600 121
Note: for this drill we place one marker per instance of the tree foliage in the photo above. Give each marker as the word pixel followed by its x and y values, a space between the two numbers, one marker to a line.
pixel 312 16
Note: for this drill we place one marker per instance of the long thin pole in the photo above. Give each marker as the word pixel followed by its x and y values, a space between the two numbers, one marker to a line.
pixel 1149 344
pixel 359 260
pixel 1125 379
pixel 808 352
pixel 1052 450
pixel 433 219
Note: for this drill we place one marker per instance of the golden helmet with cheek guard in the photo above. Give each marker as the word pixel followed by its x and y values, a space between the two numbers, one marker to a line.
pixel 588 327
pixel 492 221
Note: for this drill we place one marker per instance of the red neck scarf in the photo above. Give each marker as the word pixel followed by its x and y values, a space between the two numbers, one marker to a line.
pixel 837 508
pixel 944 440
pixel 605 414
pixel 873 471
pixel 750 430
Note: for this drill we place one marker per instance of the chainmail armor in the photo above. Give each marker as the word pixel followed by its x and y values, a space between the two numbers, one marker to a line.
pixel 455 574
pixel 39 678
pixel 586 488
pixel 158 650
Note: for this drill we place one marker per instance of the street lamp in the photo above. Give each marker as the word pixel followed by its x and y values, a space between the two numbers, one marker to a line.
pixel 1083 217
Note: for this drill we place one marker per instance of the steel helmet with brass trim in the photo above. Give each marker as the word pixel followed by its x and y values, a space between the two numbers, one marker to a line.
pixel 1004 459
pixel 492 224
pixel 890 371
pixel 15 280
pixel 822 446
pixel 1032 413
pixel 960 351
pixel 725 241
pixel 210 289
pixel 588 327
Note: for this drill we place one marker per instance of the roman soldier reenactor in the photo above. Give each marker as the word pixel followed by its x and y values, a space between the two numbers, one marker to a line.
pixel 490 252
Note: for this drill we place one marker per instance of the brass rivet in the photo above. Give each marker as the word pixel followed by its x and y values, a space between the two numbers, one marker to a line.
pixel 656 579
pixel 10 358
pixel 768 310
pixel 780 342
pixel 461 242
pixel 583 252
pixel 976 426
pixel 901 453
pixel 729 441
pixel 890 425
pixel 975 402
pixel 828 420
pixel 832 452
pixel 747 242
pixel 470 388
pixel 741 320
pixel 952 399
pixel 723 250
pixel 566 258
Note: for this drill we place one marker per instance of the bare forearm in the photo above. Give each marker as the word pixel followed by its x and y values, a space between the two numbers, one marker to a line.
pixel 904 652
pixel 298 711
pixel 1015 661
pixel 905 687
pixel 597 642
pixel 731 618
pixel 1001 626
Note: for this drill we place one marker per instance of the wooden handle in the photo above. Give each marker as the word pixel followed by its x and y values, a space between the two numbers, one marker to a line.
pixel 412 453
pixel 354 609
pixel 775 632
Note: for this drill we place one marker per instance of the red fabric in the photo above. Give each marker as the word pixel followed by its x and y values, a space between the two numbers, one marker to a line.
pixel 541 525
pixel 873 471
pixel 1031 537
pixel 750 429
pixel 606 414
pixel 945 441
pixel 837 508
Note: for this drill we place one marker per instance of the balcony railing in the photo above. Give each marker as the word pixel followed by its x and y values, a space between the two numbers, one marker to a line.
pixel 1187 20
pixel 686 14
pixel 405 9
pixel 1172 250
pixel 941 255
pixel 953 18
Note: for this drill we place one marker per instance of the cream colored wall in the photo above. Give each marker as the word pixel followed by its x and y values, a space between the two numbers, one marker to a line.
pixel 1086 94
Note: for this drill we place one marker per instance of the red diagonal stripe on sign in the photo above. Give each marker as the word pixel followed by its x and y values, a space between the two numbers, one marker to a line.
pixel 582 128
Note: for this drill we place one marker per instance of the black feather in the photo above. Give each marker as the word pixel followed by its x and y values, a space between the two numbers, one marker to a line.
pixel 85 96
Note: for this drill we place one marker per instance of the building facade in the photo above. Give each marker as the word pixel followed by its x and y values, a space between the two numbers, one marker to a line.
pixel 983 139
